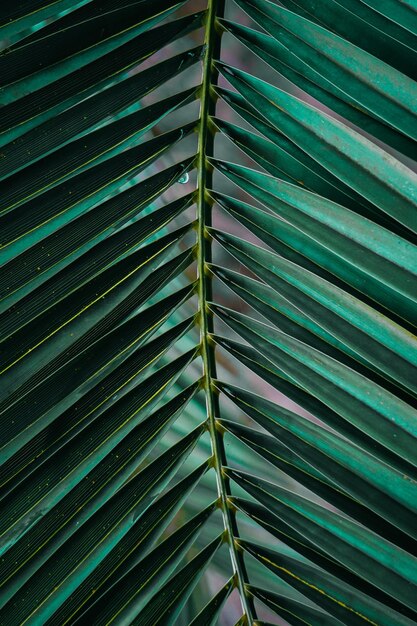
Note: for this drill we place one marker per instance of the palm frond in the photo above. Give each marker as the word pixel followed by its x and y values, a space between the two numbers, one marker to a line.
pixel 208 350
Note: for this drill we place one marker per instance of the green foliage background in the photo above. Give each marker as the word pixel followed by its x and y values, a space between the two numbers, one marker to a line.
pixel 208 307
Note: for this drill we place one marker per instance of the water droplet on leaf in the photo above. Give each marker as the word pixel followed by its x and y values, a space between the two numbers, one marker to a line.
pixel 184 178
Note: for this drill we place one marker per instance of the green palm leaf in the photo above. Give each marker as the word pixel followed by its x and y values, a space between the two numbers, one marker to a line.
pixel 207 319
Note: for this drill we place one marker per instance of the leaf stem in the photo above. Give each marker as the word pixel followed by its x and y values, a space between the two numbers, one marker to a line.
pixel 213 32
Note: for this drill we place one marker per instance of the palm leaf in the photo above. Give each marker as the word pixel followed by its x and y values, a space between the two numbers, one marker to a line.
pixel 172 449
